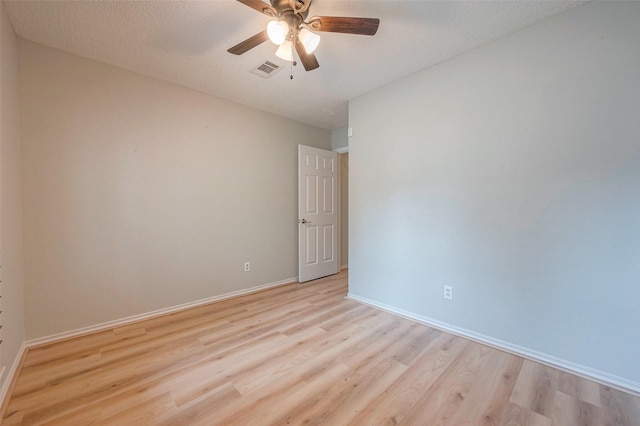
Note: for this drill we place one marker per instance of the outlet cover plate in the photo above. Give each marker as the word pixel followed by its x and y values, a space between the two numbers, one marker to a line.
pixel 448 292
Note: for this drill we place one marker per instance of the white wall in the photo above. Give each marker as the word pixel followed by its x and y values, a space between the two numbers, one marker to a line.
pixel 12 301
pixel 511 173
pixel 140 194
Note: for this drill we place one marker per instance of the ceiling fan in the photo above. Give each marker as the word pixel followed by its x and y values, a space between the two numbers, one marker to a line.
pixel 289 29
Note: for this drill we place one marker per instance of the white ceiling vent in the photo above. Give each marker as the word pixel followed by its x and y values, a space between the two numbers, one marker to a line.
pixel 266 69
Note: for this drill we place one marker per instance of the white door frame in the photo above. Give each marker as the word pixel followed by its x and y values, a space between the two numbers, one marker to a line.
pixel 341 150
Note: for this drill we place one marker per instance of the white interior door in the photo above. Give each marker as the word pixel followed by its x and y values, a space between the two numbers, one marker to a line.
pixel 317 213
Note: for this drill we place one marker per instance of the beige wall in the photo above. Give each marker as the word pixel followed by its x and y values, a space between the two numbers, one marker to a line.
pixel 10 201
pixel 340 138
pixel 140 194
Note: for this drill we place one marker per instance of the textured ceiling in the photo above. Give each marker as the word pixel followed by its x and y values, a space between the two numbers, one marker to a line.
pixel 185 42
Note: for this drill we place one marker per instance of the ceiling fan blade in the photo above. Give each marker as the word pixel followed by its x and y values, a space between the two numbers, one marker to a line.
pixel 308 60
pixel 249 43
pixel 338 24
pixel 260 6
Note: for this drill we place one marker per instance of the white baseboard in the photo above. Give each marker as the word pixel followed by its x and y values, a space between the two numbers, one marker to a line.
pixel 601 377
pixel 12 371
pixel 343 267
pixel 153 314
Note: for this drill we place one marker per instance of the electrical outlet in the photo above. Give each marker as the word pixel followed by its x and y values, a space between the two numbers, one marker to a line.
pixel 247 266
pixel 448 292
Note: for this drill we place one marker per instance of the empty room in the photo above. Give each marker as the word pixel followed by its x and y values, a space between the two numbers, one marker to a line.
pixel 282 212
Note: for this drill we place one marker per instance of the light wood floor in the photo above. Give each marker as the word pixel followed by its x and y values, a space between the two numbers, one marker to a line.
pixel 298 354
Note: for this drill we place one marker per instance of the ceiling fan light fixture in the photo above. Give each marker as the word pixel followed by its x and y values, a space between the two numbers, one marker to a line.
pixel 309 40
pixel 288 25
pixel 285 51
pixel 277 31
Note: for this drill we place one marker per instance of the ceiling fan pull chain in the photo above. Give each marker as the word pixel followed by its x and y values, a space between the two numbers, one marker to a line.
pixel 293 57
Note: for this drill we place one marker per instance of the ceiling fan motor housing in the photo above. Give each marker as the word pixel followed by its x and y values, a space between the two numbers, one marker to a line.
pixel 293 12
pixel 298 7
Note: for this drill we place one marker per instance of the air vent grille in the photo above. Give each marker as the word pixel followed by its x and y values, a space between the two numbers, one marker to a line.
pixel 266 69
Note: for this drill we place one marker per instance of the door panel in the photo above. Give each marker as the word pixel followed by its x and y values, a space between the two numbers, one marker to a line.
pixel 312 246
pixel 329 253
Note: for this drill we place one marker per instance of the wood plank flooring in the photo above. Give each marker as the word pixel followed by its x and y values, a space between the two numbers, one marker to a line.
pixel 298 354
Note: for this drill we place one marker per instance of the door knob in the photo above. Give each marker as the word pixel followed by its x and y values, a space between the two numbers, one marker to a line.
pixel 304 221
